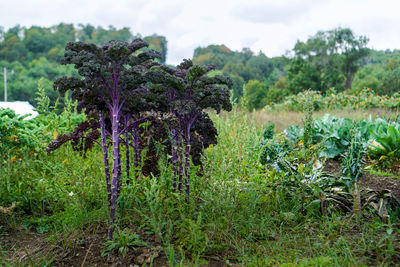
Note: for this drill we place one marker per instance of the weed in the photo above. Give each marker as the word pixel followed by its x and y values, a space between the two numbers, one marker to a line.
pixel 308 110
pixel 122 242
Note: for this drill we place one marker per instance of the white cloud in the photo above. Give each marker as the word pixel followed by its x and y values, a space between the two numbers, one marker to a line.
pixel 271 26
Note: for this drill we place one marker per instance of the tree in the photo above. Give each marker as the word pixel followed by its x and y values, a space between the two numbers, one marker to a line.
pixel 303 75
pixel 256 93
pixel 391 83
pixel 237 88
pixel 85 32
pixel 334 56
pixel 350 48
pixel 158 43
pixel 12 48
pixel 38 40
pixel 241 66
pixel 278 91
pixel 370 76
pixel 261 66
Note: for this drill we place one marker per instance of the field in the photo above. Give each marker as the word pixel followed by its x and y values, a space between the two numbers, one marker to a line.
pixel 242 210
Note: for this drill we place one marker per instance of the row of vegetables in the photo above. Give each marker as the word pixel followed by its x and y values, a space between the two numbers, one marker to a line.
pixel 300 164
pixel 362 99
pixel 381 137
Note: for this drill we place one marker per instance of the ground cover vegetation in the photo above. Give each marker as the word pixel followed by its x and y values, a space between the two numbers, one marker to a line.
pixel 146 165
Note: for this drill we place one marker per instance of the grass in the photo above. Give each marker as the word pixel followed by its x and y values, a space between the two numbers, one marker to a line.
pixel 234 216
pixel 383 173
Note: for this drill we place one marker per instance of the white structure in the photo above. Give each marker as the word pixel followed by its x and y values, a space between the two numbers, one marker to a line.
pixel 20 108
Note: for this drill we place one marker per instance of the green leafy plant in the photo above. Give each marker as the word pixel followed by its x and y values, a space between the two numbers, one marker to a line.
pixel 352 168
pixel 21 136
pixel 386 143
pixel 122 242
pixel 269 131
pixel 308 110
pixel 192 236
pixel 334 133
pixel 352 160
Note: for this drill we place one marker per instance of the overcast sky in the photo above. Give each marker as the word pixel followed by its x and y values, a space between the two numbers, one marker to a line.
pixel 272 26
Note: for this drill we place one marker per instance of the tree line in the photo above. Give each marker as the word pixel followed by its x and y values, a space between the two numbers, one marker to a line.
pixel 33 53
pixel 337 58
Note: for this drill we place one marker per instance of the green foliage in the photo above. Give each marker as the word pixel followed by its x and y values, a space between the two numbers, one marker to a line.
pixel 318 192
pixel 255 93
pixel 352 161
pixel 334 137
pixel 364 99
pixel 271 152
pixel 241 213
pixel 193 237
pixel 269 131
pixel 122 242
pixel 19 136
pixel 391 82
pixel 22 84
pixel 370 76
pixel 33 53
pixel 381 73
pixel 302 75
pixel 278 91
pixel 334 133
pixel 158 43
pixel 385 145
pixel 327 59
pixel 308 110
pixel 242 66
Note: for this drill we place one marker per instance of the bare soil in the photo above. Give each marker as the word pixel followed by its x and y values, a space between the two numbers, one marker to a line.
pixel 368 180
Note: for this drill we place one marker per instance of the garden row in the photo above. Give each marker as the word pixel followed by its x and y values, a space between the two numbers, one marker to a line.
pixel 363 99
pixel 298 155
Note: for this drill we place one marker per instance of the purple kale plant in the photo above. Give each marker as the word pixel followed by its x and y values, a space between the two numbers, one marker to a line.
pixel 188 91
pixel 120 88
pixel 112 92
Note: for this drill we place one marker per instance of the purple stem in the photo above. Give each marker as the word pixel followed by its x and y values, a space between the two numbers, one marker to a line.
pixel 105 156
pixel 119 172
pixel 115 169
pixel 127 151
pixel 174 156
pixel 187 162
pixel 180 163
pixel 187 154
